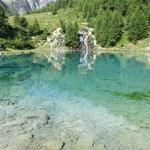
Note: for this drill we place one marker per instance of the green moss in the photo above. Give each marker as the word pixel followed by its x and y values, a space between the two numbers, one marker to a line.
pixel 134 95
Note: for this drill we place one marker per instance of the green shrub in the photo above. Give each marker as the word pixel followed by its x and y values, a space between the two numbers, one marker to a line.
pixel 35 29
pixel 71 35
pixel 45 34
pixel 21 42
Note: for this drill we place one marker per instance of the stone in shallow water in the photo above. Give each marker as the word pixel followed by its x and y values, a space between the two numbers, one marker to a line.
pixel 40 117
pixel 2 146
pixel 133 128
pixel 54 145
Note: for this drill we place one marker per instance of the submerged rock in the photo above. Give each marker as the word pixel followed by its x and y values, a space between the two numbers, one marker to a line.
pixel 54 145
pixel 40 117
pixel 2 146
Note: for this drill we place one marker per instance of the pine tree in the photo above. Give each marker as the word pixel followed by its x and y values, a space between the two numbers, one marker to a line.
pixel 20 22
pixel 115 28
pixel 71 35
pixel 36 26
pixel 35 29
pixel 3 21
pixel 137 25
pixel 108 28
pixel 146 10
pixel 16 20
pixel 63 25
pixel 54 10
pixel 23 22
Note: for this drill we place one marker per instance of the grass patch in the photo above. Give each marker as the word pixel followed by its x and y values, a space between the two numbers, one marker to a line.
pixel 51 22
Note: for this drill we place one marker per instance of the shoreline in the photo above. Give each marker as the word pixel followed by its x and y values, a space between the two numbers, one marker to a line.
pixel 45 50
pixel 143 54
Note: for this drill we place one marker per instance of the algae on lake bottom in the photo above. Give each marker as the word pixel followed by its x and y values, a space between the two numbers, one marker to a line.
pixel 134 95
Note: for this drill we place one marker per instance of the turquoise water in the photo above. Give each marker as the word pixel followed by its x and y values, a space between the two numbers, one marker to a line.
pixel 119 84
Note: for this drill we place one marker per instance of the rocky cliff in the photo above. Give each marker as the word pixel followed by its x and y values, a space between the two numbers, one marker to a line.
pixel 24 6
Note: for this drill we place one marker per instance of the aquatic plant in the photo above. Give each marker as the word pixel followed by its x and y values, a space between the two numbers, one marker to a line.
pixel 134 95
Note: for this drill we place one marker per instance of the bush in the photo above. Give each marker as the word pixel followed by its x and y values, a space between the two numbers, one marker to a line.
pixel 21 42
pixel 45 34
pixel 35 29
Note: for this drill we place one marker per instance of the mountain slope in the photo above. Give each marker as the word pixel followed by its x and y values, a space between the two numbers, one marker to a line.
pixel 24 6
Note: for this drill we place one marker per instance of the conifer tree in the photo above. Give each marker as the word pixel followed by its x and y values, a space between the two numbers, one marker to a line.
pixel 54 10
pixel 137 25
pixel 71 35
pixel 146 11
pixel 3 21
pixel 63 25
pixel 108 28
pixel 20 22
pixel 23 22
pixel 16 20
pixel 35 29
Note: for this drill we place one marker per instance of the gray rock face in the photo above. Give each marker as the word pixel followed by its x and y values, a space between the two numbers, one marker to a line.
pixel 24 6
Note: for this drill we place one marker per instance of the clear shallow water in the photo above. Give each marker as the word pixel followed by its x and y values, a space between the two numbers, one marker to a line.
pixel 119 84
